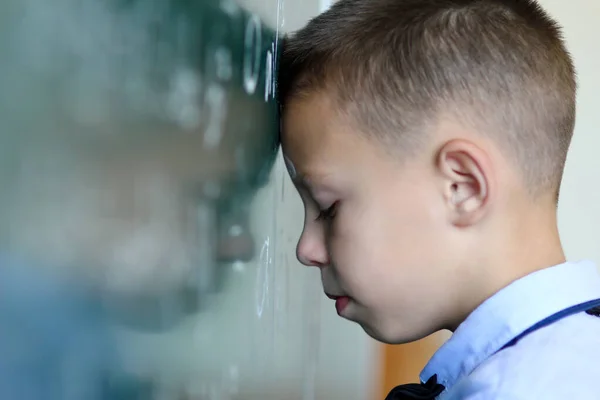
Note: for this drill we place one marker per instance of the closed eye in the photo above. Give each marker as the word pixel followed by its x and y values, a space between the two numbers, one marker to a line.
pixel 328 214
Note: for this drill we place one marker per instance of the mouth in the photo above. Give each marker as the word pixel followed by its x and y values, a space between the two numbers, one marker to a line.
pixel 341 302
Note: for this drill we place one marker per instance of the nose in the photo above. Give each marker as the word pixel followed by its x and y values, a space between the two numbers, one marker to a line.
pixel 311 250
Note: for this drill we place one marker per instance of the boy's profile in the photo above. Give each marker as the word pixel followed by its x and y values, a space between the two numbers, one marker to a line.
pixel 428 140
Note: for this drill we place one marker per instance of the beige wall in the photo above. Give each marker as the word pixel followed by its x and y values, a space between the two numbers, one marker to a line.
pixel 579 207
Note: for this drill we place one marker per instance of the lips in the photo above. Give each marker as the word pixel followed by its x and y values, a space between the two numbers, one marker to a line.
pixel 341 302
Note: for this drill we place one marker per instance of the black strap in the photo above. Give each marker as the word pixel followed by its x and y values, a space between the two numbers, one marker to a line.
pixel 417 391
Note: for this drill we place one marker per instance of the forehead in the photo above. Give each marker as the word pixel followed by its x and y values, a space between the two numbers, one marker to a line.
pixel 315 135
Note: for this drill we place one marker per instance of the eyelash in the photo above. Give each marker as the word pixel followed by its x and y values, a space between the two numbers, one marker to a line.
pixel 328 214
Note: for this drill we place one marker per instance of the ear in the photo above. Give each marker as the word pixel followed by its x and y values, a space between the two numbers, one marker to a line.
pixel 467 181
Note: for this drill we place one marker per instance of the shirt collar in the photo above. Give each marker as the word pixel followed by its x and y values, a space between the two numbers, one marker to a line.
pixel 503 317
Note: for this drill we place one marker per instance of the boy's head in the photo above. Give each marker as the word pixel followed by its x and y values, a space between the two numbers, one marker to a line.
pixel 427 139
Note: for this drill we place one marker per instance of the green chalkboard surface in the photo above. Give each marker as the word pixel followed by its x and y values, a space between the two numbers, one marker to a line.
pixel 114 106
pixel 134 136
pixel 223 46
pixel 127 68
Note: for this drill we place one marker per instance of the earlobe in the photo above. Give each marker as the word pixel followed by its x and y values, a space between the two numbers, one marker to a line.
pixel 466 173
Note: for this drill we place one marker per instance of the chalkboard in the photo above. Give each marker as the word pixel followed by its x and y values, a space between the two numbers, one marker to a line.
pixel 134 135
pixel 129 67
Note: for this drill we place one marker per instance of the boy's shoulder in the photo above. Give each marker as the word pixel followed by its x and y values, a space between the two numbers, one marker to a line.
pixel 556 362
pixel 534 339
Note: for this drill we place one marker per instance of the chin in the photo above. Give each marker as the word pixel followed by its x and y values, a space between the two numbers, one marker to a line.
pixel 390 336
pixel 375 333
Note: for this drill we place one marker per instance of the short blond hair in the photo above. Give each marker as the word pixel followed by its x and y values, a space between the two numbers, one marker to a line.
pixel 394 65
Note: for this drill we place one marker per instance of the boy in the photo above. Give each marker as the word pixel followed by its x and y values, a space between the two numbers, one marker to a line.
pixel 427 139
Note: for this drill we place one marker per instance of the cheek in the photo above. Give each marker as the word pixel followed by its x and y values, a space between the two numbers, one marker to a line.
pixel 381 254
pixel 355 245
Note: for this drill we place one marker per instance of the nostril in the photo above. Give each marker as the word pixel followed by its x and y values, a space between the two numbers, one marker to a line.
pixel 317 264
pixel 311 253
pixel 309 261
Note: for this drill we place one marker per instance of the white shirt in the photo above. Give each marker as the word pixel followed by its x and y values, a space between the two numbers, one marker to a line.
pixel 560 361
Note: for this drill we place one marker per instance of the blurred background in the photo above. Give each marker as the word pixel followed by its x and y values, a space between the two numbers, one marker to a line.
pixel 138 158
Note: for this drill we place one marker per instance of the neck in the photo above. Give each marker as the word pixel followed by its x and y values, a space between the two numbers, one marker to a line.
pixel 529 243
